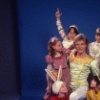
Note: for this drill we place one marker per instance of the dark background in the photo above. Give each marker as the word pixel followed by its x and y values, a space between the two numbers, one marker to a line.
pixel 10 87
pixel 24 35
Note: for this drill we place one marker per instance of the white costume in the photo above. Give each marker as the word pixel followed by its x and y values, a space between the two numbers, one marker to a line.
pixel 66 44
pixel 94 50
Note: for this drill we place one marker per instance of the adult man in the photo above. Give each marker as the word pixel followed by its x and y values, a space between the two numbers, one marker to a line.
pixel 80 65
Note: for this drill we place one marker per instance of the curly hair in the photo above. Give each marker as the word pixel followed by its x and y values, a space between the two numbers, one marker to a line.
pixel 52 42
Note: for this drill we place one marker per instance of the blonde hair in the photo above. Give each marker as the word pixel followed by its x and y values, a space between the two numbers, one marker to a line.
pixel 81 37
pixel 98 30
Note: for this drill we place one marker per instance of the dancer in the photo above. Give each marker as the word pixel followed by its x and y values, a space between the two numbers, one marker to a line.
pixel 56 57
pixel 94 47
pixel 80 65
pixel 94 89
pixel 72 31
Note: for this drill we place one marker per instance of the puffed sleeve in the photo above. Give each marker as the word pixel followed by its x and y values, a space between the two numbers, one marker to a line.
pixel 95 67
pixel 49 59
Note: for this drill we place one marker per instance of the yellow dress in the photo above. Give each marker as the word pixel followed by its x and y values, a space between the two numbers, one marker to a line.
pixel 80 69
pixel 92 95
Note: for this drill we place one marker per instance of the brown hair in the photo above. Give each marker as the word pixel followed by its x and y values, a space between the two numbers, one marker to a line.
pixel 52 42
pixel 81 37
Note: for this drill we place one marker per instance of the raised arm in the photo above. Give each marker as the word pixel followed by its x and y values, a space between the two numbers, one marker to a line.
pixel 59 25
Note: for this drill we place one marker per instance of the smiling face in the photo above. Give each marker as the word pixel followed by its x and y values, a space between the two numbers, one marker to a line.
pixel 80 46
pixel 58 46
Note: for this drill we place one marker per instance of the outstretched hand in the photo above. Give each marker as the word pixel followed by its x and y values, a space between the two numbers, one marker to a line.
pixel 58 14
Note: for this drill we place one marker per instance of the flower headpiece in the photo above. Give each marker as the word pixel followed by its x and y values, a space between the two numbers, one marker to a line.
pixel 53 39
pixel 74 26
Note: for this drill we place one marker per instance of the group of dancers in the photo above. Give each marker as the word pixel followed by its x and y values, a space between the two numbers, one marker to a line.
pixel 72 72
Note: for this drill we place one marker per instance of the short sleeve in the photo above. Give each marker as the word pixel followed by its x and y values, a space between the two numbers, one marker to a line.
pixel 49 59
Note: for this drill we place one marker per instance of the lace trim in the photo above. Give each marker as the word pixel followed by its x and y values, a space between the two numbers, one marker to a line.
pixel 85 60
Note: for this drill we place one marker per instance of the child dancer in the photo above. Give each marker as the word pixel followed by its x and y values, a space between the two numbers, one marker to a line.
pixel 55 58
pixel 94 47
pixel 72 31
pixel 58 87
pixel 94 89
